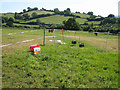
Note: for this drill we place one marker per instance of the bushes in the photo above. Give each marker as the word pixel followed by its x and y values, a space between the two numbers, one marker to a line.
pixel 71 24
pixel 100 29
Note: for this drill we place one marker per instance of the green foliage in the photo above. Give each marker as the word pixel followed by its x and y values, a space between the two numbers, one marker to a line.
pixel 67 11
pixel 38 21
pixel 108 20
pixel 29 9
pixel 24 11
pixel 111 15
pixel 18 16
pixel 71 24
pixel 10 22
pixel 34 15
pixel 4 19
pixel 35 8
pixel 56 10
pixel 90 13
pixel 10 19
pixel 26 17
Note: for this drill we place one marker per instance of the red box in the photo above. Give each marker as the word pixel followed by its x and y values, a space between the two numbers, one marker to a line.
pixel 33 46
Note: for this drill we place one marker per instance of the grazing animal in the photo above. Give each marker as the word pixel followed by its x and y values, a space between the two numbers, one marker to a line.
pixel 96 33
pixel 50 31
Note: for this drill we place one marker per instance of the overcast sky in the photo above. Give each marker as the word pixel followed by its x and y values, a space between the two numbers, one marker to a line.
pixel 99 7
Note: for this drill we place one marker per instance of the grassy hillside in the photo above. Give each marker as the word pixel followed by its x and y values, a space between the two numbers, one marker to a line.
pixel 8 14
pixel 39 12
pixel 81 15
pixel 54 19
pixel 58 19
pixel 94 22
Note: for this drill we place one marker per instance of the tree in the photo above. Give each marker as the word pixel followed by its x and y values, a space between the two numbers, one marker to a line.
pixel 24 10
pixel 77 12
pixel 10 19
pixel 71 24
pixel 29 9
pixel 4 19
pixel 10 22
pixel 35 8
pixel 84 13
pixel 43 9
pixel 15 15
pixel 67 11
pixel 56 10
pixel 111 15
pixel 38 21
pixel 108 20
pixel 26 17
pixel 18 16
pixel 90 13
pixel 34 15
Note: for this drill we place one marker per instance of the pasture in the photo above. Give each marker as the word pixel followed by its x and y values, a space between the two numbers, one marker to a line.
pixel 58 65
pixel 39 12
pixel 58 19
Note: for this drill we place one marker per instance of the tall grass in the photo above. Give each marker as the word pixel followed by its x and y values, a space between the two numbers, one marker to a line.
pixel 59 65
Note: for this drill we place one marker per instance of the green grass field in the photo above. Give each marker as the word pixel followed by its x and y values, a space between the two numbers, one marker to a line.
pixel 58 19
pixel 94 22
pixel 55 19
pixel 8 15
pixel 81 15
pixel 58 65
pixel 39 12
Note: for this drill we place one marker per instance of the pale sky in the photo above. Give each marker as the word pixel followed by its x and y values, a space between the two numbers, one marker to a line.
pixel 98 7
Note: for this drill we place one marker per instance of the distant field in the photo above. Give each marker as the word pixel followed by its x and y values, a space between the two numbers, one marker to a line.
pixel 80 20
pixel 8 14
pixel 81 15
pixel 26 25
pixel 94 22
pixel 58 19
pixel 55 19
pixel 58 65
pixel 40 12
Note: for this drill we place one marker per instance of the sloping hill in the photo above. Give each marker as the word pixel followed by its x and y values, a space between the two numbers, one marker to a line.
pixel 8 15
pixel 81 15
pixel 39 12
pixel 57 19
pixel 50 19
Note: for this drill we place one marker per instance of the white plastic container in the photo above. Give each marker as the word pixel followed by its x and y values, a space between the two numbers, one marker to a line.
pixel 37 50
